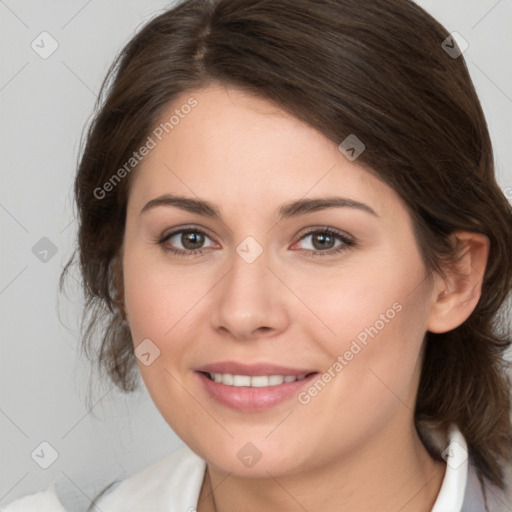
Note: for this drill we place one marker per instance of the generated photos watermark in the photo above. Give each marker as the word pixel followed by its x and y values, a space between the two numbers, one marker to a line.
pixel 357 345
pixel 151 142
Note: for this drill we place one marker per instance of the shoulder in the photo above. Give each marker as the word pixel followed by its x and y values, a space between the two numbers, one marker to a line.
pixel 499 500
pixel 172 483
pixel 483 495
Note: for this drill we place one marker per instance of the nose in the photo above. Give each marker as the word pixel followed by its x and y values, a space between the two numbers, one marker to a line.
pixel 250 301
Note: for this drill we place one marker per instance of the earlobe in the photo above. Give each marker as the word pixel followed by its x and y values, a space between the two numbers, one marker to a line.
pixel 455 296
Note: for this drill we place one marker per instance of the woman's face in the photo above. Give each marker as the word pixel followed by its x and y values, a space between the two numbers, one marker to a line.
pixel 272 294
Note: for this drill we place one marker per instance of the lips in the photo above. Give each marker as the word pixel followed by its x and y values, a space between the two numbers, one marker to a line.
pixel 252 387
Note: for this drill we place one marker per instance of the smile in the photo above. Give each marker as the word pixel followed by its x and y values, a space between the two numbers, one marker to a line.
pixel 252 388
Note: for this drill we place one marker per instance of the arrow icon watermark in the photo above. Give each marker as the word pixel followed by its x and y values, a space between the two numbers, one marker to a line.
pixel 352 147
pixel 146 352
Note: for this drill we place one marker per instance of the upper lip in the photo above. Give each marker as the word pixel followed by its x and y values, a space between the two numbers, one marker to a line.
pixel 235 368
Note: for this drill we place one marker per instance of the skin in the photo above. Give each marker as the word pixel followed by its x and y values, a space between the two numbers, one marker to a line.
pixel 354 445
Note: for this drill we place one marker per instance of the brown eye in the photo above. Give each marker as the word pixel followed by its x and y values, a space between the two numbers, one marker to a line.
pixel 192 239
pixel 185 242
pixel 323 240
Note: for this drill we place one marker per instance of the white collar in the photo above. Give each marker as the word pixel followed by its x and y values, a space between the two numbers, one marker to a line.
pixel 453 488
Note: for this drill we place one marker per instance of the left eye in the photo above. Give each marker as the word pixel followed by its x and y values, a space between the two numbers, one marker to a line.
pixel 323 240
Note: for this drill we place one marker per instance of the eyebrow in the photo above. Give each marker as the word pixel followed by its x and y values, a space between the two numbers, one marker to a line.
pixel 286 210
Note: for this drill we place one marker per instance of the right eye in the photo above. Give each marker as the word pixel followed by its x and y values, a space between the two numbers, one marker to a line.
pixel 191 240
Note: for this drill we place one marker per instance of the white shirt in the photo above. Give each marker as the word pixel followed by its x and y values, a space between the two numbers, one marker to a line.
pixel 173 484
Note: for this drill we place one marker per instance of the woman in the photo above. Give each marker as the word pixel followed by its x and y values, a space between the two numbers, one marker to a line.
pixel 289 213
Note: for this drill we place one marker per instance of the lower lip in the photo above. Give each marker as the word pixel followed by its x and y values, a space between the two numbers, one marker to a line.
pixel 248 399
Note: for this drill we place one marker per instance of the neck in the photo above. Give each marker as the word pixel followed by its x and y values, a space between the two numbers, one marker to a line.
pixel 390 472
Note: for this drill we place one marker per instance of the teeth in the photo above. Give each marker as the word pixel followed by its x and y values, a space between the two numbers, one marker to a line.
pixel 274 380
pixel 257 381
pixel 240 380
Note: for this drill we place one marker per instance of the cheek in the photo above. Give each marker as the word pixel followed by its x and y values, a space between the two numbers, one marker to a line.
pixel 360 299
pixel 377 316
pixel 159 297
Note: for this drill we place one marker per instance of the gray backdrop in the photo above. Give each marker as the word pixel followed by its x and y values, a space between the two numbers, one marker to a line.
pixel 54 56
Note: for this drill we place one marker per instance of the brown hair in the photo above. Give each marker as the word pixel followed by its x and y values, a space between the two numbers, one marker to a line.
pixel 376 69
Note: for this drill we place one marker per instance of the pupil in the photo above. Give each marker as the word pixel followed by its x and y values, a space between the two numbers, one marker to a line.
pixel 323 238
pixel 192 240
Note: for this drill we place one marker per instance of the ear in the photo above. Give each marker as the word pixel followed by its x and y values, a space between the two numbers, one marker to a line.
pixel 455 296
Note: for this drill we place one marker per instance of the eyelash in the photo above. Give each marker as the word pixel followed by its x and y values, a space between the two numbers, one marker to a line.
pixel 347 242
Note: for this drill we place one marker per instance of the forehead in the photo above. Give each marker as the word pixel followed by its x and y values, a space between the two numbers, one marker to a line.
pixel 234 148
